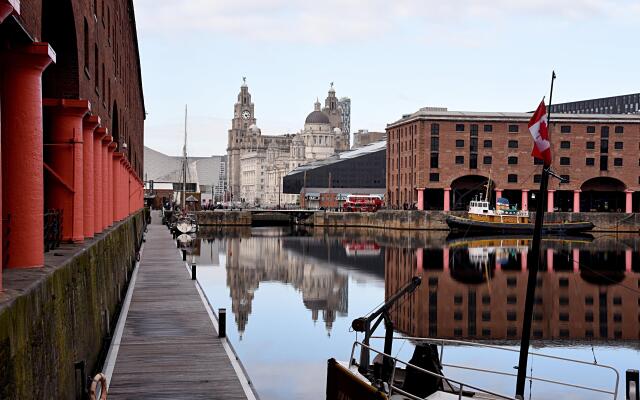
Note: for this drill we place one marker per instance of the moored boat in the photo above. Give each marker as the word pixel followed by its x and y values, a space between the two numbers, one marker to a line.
pixel 506 218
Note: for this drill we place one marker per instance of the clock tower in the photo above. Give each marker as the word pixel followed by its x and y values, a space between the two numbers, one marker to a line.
pixel 243 118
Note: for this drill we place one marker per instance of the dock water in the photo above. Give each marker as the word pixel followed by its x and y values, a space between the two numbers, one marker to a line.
pixel 169 348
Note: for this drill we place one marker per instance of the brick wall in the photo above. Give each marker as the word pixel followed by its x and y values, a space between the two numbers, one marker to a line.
pixel 111 30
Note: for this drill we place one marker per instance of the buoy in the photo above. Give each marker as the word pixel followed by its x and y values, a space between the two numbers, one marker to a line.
pixel 101 380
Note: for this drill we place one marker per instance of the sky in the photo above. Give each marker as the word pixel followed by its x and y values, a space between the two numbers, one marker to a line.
pixel 389 57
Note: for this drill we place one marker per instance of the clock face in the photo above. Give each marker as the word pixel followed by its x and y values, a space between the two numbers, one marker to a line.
pixel 246 114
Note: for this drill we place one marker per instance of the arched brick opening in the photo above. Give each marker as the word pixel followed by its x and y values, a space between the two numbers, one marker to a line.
pixel 465 188
pixel 60 80
pixel 602 194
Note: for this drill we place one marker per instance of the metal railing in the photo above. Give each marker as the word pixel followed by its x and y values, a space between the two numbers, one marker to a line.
pixel 52 229
pixel 441 343
pixel 392 387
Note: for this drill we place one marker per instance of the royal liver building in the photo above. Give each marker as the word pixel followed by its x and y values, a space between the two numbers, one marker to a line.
pixel 257 163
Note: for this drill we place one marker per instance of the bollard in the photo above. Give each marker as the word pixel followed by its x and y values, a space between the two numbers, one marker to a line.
pixel 193 271
pixel 632 378
pixel 222 322
pixel 184 255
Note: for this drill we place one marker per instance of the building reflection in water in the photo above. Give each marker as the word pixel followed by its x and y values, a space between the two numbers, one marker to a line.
pixel 586 289
pixel 314 266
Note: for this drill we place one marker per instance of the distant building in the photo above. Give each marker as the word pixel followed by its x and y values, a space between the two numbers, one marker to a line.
pixel 441 159
pixel 345 106
pixel 258 162
pixel 360 171
pixel 204 175
pixel 625 104
pixel 363 137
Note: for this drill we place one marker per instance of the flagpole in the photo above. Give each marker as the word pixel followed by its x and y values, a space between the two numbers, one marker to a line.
pixel 533 268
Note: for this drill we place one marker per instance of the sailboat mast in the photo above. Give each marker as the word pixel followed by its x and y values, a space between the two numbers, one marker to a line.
pixel 184 162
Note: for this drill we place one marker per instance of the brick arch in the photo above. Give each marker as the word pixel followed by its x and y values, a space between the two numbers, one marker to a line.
pixel 603 193
pixel 465 187
pixel 603 184
pixel 62 79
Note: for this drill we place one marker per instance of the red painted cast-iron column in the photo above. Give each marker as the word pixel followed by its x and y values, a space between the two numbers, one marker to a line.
pixel 91 122
pixel 8 7
pixel 105 181
pixel 64 164
pixel 22 174
pixel 117 182
pixel 126 198
pixel 110 184
pixel 98 135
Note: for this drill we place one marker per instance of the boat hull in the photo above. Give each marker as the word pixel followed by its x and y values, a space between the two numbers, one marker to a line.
pixel 466 225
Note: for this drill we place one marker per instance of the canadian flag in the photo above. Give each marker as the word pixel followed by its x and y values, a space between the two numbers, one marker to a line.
pixel 540 133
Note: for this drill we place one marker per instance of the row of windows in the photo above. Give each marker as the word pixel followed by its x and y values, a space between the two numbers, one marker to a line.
pixel 513 128
pixel 513 144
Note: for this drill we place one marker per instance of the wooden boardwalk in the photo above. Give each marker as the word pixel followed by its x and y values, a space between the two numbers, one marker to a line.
pixel 169 348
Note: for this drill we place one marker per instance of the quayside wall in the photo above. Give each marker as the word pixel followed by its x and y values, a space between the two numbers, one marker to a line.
pixel 63 313
pixel 436 220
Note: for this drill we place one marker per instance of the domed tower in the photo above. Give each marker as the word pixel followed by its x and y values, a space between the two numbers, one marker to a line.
pixel 243 117
pixel 334 111
pixel 317 135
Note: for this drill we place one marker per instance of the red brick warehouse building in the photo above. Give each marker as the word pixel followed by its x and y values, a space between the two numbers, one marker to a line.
pixel 72 121
pixel 441 159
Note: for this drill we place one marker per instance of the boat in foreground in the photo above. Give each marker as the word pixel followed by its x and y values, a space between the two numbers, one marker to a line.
pixel 508 219
pixel 428 376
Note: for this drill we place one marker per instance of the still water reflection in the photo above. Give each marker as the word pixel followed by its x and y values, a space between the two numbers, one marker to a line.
pixel 293 295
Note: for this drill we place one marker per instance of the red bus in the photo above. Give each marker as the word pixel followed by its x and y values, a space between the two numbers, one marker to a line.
pixel 362 203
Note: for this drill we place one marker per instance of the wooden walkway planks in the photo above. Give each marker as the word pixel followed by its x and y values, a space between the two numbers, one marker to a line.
pixel 169 348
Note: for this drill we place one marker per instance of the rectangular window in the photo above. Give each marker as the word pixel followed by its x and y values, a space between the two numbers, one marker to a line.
pixel 619 129
pixel 591 129
pixel 96 68
pixel 604 131
pixel 537 178
pixel 617 162
pixel 486 160
pixel 513 144
pixel 565 144
pixel 86 46
pixel 565 129
pixel 459 143
pixel 591 145
pixel 435 129
pixel 434 177
pixel 604 145
pixel 565 178
pixel 604 161
pixel 512 160
pixel 590 161
pixel 459 127
pixel 473 144
pixel 435 143
pixel 514 128
pixel 434 160
pixel 488 128
pixel 537 161
pixel 473 161
pixel 618 145
pixel 512 178
pixel 474 130
pixel 488 144
pixel 459 159
pixel 565 161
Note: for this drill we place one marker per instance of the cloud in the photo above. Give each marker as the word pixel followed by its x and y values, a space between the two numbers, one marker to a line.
pixel 340 21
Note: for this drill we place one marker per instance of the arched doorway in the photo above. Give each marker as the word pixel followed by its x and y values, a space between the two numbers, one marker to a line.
pixel 465 188
pixel 60 79
pixel 602 194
